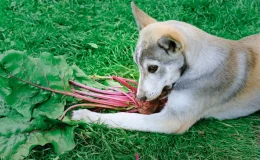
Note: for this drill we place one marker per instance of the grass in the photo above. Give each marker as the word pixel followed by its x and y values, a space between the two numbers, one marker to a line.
pixel 66 27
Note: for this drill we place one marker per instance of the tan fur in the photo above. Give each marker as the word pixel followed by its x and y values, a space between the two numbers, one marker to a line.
pixel 252 44
pixel 141 16
pixel 159 30
pixel 184 127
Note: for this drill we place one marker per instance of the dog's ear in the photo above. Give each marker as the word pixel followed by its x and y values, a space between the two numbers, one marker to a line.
pixel 169 44
pixel 141 18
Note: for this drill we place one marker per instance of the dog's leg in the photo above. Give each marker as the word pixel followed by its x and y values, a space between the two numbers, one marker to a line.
pixel 163 122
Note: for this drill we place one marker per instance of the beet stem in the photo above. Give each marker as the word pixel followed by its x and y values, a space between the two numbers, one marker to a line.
pixel 114 97
pixel 111 77
pixel 94 89
pixel 124 82
pixel 133 100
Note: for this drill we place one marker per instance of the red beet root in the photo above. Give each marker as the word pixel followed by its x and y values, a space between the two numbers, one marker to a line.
pixel 149 107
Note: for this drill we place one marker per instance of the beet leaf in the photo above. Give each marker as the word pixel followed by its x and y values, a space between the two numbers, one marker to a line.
pixel 29 115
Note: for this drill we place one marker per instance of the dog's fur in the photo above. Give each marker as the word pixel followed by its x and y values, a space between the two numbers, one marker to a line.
pixel 210 76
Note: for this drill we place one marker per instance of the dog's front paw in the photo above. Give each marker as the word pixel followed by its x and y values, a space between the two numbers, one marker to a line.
pixel 84 114
pixel 80 114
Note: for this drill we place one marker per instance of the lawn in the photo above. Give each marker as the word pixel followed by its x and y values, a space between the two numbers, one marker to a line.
pixel 69 27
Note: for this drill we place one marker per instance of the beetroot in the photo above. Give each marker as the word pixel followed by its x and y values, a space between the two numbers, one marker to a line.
pixel 149 107
pixel 113 97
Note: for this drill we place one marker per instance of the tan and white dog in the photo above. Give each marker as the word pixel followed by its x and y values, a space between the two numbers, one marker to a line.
pixel 208 77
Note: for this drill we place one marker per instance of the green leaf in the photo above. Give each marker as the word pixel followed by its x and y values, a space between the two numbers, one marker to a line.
pixel 52 108
pixel 4 108
pixel 93 45
pixel 24 72
pixel 62 140
pixel 25 98
pixel 81 77
pixel 4 88
pixel 28 113
pixel 18 138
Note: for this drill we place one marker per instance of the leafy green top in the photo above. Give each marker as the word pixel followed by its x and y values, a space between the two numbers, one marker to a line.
pixel 28 114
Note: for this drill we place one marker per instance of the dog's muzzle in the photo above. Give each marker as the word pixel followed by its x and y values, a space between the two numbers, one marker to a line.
pixel 166 90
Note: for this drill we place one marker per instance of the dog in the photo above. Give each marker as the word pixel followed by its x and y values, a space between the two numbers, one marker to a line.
pixel 206 76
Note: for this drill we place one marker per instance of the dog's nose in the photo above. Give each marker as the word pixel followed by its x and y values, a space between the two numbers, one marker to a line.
pixel 143 98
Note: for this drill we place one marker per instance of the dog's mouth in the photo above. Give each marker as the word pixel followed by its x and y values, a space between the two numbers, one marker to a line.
pixel 166 91
pixel 155 105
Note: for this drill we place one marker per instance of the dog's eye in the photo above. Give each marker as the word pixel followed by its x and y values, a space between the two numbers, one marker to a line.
pixel 152 68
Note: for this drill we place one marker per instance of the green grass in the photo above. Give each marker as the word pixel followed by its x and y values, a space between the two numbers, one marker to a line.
pixel 65 27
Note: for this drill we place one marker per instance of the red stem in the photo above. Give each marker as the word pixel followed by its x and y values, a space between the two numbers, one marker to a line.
pixel 130 80
pixel 133 100
pixel 114 97
pixel 111 77
pixel 124 82
pixel 94 89
pixel 137 157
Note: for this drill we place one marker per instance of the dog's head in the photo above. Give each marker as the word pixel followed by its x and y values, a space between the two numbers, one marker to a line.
pixel 159 55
